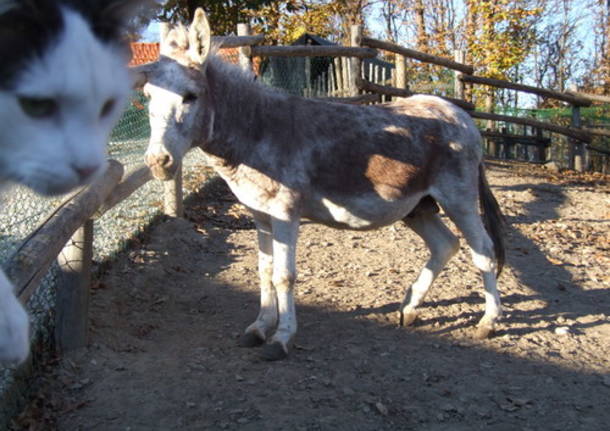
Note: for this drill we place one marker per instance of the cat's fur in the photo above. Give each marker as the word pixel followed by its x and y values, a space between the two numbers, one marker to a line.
pixel 63 84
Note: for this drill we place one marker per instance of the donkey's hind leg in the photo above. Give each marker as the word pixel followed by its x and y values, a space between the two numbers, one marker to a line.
pixel 265 323
pixel 442 245
pixel 469 222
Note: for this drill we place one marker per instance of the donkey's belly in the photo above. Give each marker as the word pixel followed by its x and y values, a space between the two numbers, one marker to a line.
pixel 360 213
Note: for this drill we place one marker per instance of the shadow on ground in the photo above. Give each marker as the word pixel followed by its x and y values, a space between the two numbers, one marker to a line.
pixel 164 356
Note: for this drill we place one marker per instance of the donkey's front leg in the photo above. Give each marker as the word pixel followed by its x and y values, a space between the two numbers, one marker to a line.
pixel 257 332
pixel 285 233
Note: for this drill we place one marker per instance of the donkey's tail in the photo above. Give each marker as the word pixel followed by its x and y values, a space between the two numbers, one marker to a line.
pixel 492 217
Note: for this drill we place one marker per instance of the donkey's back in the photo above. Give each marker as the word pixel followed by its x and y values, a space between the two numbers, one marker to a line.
pixel 362 167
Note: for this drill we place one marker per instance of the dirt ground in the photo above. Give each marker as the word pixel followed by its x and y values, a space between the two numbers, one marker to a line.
pixel 166 316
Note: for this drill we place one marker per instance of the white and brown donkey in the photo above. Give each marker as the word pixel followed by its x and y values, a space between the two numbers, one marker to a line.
pixel 349 167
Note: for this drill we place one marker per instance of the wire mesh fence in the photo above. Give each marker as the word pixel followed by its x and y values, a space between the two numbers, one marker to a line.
pixel 21 211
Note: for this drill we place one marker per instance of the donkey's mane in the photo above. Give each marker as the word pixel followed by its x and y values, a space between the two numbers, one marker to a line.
pixel 244 99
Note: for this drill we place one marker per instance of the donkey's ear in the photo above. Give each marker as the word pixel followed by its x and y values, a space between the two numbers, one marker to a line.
pixel 200 37
pixel 164 29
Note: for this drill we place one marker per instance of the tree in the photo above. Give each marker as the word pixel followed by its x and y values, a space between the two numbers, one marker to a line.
pixel 597 78
pixel 555 61
pixel 282 22
pixel 224 15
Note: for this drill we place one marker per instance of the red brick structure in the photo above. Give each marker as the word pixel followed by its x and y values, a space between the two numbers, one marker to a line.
pixel 142 52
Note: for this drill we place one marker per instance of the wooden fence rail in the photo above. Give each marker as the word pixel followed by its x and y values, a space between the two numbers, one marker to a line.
pixel 68 236
pixel 498 83
pixel 313 51
pixel 423 57
pixel 566 131
pixel 365 85
pixel 30 263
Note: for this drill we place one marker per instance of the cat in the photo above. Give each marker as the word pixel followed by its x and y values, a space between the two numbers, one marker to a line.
pixel 63 85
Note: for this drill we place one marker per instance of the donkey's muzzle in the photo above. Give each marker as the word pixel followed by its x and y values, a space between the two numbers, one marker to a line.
pixel 161 165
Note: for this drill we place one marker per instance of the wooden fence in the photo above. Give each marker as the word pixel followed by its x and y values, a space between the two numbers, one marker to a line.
pixel 67 236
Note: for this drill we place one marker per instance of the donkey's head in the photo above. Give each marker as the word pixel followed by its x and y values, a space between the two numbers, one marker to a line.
pixel 177 89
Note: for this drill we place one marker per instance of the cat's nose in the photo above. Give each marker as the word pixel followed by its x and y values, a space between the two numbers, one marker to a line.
pixel 85 172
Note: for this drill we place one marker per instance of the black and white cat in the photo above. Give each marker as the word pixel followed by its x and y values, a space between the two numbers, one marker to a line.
pixel 63 85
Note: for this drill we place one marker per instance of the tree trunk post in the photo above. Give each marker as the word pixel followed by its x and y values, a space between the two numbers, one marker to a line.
pixel 459 87
pixel 541 146
pixel 493 150
pixel 72 312
pixel 577 148
pixel 173 196
pixel 355 64
pixel 245 58
pixel 401 71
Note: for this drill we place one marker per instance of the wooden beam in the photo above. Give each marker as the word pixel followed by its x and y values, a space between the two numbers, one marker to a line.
pixel 401 92
pixel 591 97
pixel 597 132
pixel 130 182
pixel 565 97
pixel 238 41
pixel 567 131
pixel 355 63
pixel 313 51
pixel 426 58
pixel 31 261
pixel 523 139
pixel 245 59
pixel 599 150
pixel 72 297
pixel 173 197
pixel 357 100
pixel 459 89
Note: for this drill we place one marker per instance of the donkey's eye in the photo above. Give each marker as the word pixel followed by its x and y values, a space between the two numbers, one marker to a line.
pixel 38 107
pixel 189 97
pixel 107 108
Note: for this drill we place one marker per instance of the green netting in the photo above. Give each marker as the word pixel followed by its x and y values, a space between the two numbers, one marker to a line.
pixel 597 114
pixel 133 125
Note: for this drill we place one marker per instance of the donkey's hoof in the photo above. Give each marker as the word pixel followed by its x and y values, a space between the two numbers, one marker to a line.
pixel 407 319
pixel 484 331
pixel 250 339
pixel 274 352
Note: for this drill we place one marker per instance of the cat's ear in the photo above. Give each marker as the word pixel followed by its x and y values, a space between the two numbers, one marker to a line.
pixel 7 5
pixel 121 12
pixel 112 18
pixel 200 37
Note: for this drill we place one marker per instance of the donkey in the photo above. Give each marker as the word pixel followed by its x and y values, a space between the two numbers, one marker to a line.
pixel 346 166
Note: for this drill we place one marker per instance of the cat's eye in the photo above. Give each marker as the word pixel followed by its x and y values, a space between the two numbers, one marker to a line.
pixel 189 97
pixel 38 107
pixel 107 108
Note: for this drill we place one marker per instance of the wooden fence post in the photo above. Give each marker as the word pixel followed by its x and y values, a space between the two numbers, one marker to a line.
pixel 172 195
pixel 245 57
pixel 541 146
pixel 459 87
pixel 577 148
pixel 492 147
pixel 72 310
pixel 355 65
pixel 401 71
